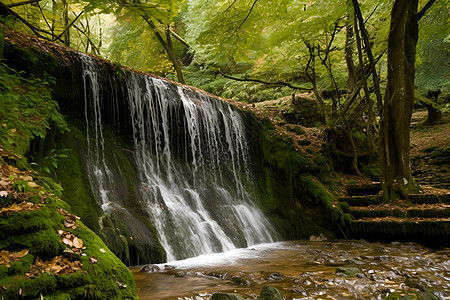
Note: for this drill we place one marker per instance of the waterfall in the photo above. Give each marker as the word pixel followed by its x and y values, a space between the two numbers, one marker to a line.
pixel 192 157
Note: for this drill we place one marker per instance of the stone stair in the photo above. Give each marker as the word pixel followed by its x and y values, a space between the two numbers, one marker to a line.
pixel 421 218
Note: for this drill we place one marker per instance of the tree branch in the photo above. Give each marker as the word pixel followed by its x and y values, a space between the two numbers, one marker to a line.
pixel 246 18
pixel 179 38
pixel 6 10
pixel 68 27
pixel 279 82
pixel 22 3
pixel 89 41
pixel 228 8
pixel 423 11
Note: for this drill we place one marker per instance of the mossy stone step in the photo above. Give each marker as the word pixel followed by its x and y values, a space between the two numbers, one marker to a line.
pixel 432 231
pixel 429 198
pixel 362 200
pixel 363 189
pixel 419 211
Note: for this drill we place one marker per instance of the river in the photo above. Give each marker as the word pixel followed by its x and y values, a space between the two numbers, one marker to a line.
pixel 302 270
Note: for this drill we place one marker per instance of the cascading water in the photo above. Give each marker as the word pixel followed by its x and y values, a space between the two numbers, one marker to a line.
pixel 193 162
pixel 98 172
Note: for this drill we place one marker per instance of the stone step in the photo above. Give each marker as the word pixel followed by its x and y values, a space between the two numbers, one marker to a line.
pixel 420 211
pixel 429 198
pixel 361 200
pixel 432 231
pixel 412 198
pixel 363 189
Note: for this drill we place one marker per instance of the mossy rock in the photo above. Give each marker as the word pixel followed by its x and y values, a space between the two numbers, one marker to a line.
pixel 225 296
pixel 270 293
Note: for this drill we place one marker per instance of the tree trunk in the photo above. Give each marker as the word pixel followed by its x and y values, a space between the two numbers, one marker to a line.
pixel 168 47
pixel 394 142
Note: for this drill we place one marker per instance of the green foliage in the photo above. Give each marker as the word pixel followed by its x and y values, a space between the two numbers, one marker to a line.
pixel 433 54
pixel 249 92
pixel 27 110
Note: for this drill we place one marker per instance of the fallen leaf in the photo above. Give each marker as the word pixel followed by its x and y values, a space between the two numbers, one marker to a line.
pixel 67 242
pixel 4 183
pixel 77 243
pixel 26 178
pixel 69 224
pixel 121 285
pixel 93 259
pixel 32 184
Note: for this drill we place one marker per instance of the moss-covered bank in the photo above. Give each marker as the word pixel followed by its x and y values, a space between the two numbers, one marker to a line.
pixel 45 250
pixel 291 192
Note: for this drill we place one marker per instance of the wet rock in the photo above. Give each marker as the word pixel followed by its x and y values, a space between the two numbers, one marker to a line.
pixel 241 280
pixel 270 293
pixel 398 296
pixel 426 291
pixel 276 276
pixel 180 274
pixel 319 238
pixel 417 284
pixel 349 271
pixel 416 296
pixel 150 269
pixel 428 296
pixel 298 290
pixel 355 261
pixel 224 296
pixel 333 263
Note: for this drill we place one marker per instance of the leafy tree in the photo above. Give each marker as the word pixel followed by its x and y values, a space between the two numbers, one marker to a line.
pixel 158 15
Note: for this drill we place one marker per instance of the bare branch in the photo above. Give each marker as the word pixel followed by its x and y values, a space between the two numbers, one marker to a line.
pixel 7 10
pixel 246 17
pixel 68 27
pixel 228 8
pixel 423 11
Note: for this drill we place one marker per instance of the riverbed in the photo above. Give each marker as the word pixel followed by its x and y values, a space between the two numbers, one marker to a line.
pixel 303 270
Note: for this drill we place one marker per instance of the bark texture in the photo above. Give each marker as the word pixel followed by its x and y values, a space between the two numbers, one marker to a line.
pixel 395 172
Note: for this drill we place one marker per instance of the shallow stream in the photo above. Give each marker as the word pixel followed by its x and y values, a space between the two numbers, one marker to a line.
pixel 303 270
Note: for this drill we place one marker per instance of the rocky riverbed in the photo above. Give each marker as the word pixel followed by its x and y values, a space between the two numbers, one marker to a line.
pixel 305 270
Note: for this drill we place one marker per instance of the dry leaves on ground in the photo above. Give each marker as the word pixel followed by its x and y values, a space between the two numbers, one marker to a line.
pixel 70 219
pixel 57 265
pixel 24 206
pixel 75 244
pixel 7 257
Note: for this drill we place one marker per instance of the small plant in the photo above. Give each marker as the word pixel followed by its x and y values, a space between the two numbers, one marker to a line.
pixel 50 161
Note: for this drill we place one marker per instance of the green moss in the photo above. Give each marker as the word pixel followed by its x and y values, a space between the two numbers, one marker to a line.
pixel 71 175
pixel 444 152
